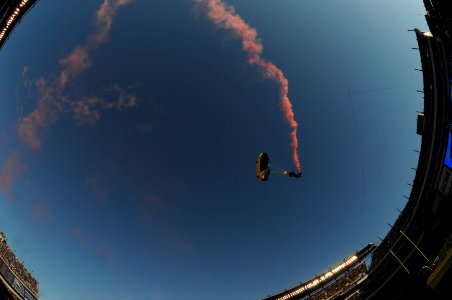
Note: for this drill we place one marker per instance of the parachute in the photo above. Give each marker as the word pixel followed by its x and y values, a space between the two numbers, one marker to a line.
pixel 262 169
pixel 264 166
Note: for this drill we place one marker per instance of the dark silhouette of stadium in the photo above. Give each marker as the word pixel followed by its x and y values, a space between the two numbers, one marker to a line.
pixel 413 260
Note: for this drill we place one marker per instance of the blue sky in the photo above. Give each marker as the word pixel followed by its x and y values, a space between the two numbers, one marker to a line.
pixel 155 197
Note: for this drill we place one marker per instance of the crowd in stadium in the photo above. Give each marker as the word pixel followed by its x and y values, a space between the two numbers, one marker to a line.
pixel 341 285
pixel 18 268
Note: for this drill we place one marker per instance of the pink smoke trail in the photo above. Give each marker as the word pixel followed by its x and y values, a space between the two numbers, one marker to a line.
pixel 52 100
pixel 224 16
pixel 11 169
pixel 79 59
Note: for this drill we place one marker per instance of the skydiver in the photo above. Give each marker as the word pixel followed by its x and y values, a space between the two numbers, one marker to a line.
pixel 293 174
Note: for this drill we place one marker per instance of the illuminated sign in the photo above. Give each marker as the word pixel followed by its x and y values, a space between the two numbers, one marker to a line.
pixel 448 159
pixel 320 279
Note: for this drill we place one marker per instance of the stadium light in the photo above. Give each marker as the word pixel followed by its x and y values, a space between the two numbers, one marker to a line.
pixel 23 3
pixel 11 18
pixel 320 279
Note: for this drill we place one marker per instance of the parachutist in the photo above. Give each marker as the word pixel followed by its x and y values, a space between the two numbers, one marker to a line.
pixel 293 174
pixel 263 168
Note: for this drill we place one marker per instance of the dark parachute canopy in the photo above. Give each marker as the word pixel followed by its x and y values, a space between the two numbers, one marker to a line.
pixel 263 168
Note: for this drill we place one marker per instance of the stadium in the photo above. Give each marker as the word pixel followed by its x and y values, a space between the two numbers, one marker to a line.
pixel 414 259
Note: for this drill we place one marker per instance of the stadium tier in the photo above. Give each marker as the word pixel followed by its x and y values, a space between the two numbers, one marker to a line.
pixel 331 281
pixel 15 278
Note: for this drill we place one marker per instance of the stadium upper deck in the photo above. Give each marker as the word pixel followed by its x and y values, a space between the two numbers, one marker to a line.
pixel 11 13
pixel 316 285
pixel 15 279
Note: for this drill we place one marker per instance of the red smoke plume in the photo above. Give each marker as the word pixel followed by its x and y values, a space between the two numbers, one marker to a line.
pixel 52 100
pixel 11 169
pixel 79 59
pixel 223 15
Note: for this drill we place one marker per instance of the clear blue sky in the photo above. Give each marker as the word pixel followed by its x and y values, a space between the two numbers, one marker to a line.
pixel 156 198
